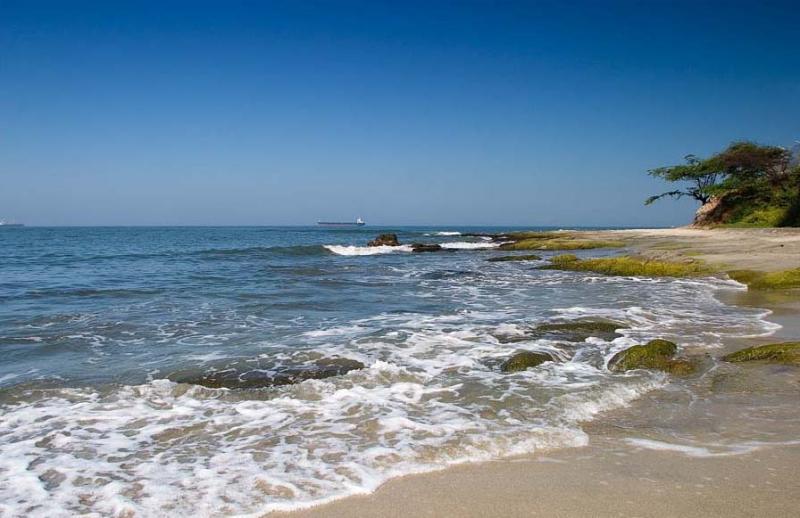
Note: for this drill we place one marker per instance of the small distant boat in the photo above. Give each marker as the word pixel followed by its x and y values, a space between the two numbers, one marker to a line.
pixel 4 223
pixel 357 223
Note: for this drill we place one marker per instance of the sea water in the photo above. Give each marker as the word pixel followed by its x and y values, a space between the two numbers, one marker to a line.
pixel 94 322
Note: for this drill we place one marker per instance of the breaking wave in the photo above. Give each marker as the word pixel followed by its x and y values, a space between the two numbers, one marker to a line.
pixel 366 250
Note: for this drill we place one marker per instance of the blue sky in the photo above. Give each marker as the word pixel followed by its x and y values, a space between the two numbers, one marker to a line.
pixel 400 112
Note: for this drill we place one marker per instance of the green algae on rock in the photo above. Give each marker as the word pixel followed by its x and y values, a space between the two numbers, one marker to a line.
pixel 628 266
pixel 787 352
pixel 523 360
pixel 785 279
pixel 531 257
pixel 655 354
pixel 560 244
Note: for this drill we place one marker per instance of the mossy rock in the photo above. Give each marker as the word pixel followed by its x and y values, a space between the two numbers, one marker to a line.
pixel 788 352
pixel 655 354
pixel 786 279
pixel 628 266
pixel 505 258
pixel 525 360
pixel 580 330
pixel 680 367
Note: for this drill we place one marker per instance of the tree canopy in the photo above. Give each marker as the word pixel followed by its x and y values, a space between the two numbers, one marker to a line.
pixel 745 174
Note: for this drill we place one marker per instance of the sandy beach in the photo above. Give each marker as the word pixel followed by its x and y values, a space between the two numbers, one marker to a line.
pixel 724 443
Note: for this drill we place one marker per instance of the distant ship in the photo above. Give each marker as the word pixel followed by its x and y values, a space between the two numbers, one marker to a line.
pixel 4 223
pixel 357 223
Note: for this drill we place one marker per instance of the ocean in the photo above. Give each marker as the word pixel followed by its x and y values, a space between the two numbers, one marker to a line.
pixel 103 330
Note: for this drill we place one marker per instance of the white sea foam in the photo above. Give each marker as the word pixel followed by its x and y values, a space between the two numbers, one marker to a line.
pixel 431 396
pixel 7 377
pixel 164 449
pixel 367 250
pixel 468 245
pixel 694 451
pixel 447 233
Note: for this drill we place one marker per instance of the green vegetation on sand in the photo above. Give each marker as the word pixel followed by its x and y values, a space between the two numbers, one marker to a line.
pixel 788 352
pixel 560 244
pixel 627 266
pixel 655 354
pixel 767 280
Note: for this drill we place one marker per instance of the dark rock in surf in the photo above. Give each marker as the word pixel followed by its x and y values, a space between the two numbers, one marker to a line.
pixel 579 330
pixel 385 240
pixel 570 331
pixel 252 376
pixel 425 247
pixel 524 360
pixel 505 258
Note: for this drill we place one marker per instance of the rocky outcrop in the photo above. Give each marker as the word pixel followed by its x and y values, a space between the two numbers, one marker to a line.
pixel 715 211
pixel 385 240
pixel 525 360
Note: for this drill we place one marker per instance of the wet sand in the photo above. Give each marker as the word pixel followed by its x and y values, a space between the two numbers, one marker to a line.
pixel 599 480
pixel 723 443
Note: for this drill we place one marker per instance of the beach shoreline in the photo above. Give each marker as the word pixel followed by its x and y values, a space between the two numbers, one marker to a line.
pixel 689 449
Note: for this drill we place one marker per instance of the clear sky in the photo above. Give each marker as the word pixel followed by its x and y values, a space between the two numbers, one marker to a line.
pixel 402 113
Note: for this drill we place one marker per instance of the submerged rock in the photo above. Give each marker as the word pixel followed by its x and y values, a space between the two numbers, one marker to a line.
pixel 254 376
pixel 505 258
pixel 655 354
pixel 426 247
pixel 787 352
pixel 524 360
pixel 580 330
pixel 385 240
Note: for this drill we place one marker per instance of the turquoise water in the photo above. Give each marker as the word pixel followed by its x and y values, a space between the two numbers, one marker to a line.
pixel 96 324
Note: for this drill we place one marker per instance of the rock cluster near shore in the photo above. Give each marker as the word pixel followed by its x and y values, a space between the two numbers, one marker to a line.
pixel 391 240
pixel 655 354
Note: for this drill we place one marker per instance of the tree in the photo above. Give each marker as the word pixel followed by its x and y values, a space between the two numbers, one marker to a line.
pixel 743 168
pixel 750 169
pixel 749 184
pixel 695 171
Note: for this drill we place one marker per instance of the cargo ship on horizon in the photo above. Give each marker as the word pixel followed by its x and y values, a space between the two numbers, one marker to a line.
pixel 4 223
pixel 357 223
